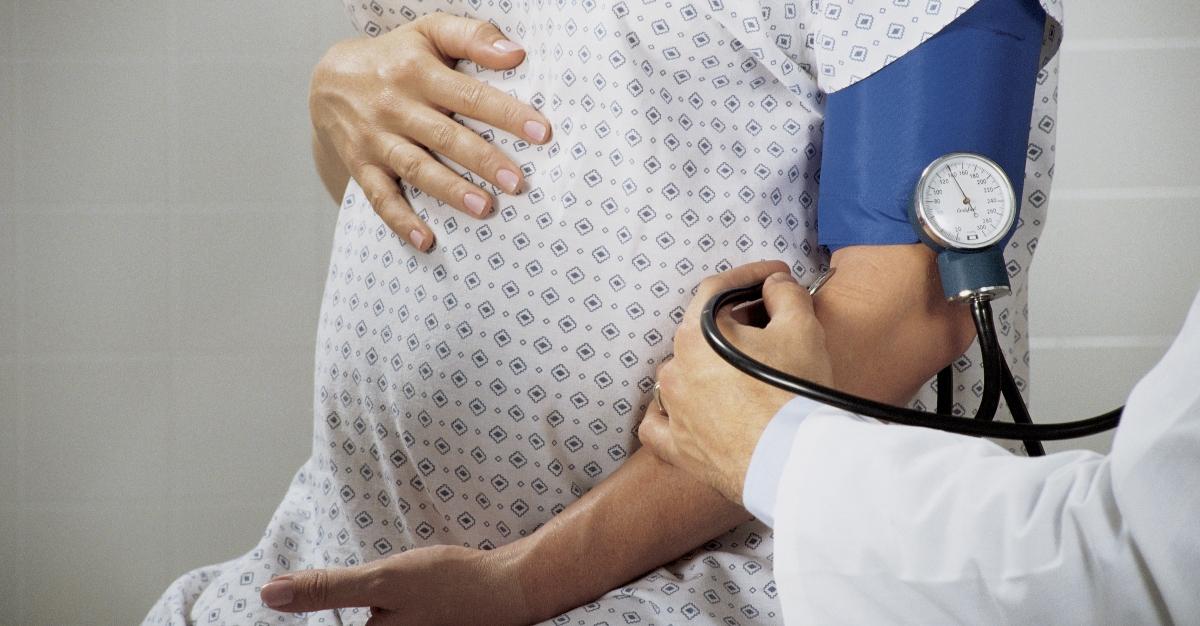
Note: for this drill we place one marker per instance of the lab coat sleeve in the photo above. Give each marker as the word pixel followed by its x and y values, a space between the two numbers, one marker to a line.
pixel 770 454
pixel 892 524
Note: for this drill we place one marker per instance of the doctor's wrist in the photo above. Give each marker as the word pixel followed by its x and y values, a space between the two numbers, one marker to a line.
pixel 769 456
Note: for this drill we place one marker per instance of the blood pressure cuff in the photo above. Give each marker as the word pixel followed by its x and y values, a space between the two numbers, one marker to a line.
pixel 969 88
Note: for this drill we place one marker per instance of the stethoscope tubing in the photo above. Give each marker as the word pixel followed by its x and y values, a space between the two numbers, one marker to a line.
pixel 993 379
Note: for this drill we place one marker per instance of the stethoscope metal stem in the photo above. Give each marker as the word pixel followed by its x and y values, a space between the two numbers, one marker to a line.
pixel 820 281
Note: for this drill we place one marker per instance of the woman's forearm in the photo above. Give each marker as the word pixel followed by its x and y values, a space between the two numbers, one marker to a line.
pixel 888 326
pixel 646 514
pixel 888 329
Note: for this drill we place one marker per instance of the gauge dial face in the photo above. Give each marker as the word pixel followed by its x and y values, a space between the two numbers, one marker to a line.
pixel 965 201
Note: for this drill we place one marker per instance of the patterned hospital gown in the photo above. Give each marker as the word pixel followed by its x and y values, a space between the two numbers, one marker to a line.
pixel 467 395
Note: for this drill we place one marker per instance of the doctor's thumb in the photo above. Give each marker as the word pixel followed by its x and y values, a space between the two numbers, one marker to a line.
pixel 655 433
pixel 783 297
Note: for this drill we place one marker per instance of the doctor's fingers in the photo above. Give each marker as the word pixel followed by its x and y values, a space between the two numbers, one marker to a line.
pixel 794 324
pixel 692 348
pixel 739 276
pixel 655 433
pixel 786 301
pixel 385 197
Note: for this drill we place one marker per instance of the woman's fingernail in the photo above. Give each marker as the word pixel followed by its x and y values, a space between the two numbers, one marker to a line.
pixel 277 593
pixel 508 180
pixel 505 45
pixel 535 131
pixel 417 238
pixel 476 204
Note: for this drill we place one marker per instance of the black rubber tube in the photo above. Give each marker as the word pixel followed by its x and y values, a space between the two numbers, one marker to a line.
pixel 992 359
pixel 1016 406
pixel 945 390
pixel 878 410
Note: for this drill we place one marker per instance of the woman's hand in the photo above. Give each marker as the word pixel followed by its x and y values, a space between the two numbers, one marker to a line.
pixel 714 413
pixel 382 104
pixel 428 586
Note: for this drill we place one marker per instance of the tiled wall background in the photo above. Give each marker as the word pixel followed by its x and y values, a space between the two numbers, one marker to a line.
pixel 1119 263
pixel 163 241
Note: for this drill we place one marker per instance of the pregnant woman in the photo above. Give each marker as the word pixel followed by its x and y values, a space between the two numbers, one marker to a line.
pixel 492 322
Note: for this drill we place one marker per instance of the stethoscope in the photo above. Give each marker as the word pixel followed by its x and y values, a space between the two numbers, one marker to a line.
pixel 964 207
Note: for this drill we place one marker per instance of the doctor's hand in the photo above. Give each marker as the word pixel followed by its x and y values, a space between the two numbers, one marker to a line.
pixel 382 104
pixel 716 413
pixel 430 586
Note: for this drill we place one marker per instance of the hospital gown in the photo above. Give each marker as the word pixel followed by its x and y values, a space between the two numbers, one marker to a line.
pixel 467 395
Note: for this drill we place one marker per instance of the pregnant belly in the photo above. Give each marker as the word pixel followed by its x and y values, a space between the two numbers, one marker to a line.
pixel 508 358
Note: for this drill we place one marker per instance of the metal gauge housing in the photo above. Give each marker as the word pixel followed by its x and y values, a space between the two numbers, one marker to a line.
pixel 964 201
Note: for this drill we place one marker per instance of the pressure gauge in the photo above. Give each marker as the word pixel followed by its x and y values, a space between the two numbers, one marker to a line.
pixel 964 201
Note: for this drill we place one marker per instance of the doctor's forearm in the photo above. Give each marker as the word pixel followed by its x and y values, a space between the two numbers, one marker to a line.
pixel 888 329
pixel 957 531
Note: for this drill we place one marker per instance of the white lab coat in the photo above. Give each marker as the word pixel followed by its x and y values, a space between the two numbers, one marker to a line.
pixel 891 524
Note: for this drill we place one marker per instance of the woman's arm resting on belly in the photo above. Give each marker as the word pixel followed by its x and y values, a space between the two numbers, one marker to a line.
pixel 888 329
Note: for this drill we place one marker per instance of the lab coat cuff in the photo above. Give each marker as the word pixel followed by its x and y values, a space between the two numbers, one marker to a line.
pixel 770 456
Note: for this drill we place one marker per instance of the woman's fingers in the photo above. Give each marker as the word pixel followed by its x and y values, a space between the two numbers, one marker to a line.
pixel 387 200
pixel 475 99
pixel 465 38
pixel 462 145
pixel 321 589
pixel 417 167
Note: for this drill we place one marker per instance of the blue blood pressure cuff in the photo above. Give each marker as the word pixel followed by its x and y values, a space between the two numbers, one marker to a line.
pixel 968 88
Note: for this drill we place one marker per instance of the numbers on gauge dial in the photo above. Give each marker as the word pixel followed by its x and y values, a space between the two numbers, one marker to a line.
pixel 968 202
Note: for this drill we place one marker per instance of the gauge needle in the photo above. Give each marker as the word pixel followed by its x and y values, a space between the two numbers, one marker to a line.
pixel 966 200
